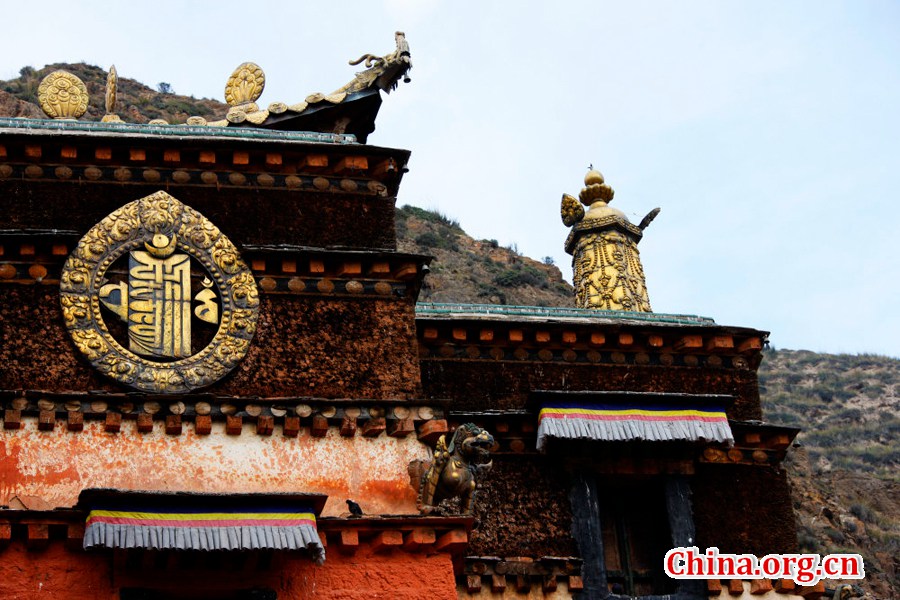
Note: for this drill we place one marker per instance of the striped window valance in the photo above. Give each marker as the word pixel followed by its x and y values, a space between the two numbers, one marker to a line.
pixel 198 522
pixel 634 420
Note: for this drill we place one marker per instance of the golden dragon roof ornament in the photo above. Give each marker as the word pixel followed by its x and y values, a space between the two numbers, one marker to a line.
pixel 378 66
pixel 246 84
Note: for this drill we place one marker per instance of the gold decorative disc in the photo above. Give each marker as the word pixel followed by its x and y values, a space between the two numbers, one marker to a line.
pixel 62 95
pixel 245 85
pixel 157 298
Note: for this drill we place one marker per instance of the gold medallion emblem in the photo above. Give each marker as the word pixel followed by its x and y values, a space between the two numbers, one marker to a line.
pixel 245 85
pixel 150 284
pixel 62 95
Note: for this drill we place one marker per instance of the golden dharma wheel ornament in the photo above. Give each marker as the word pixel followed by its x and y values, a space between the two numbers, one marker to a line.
pixel 157 298
pixel 62 95
pixel 245 85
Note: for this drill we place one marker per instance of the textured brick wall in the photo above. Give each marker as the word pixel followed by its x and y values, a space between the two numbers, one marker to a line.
pixel 246 216
pixel 743 509
pixel 345 348
pixel 482 385
pixel 523 509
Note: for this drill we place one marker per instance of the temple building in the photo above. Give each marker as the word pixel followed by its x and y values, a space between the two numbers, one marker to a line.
pixel 217 382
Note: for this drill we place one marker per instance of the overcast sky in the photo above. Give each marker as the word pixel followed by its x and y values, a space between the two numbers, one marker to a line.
pixel 768 131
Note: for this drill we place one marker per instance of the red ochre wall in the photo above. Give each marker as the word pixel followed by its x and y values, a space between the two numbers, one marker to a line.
pixel 57 572
pixel 57 465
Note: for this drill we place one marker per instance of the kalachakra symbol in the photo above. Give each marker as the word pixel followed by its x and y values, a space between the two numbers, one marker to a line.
pixel 608 274
pixel 157 298
pixel 155 301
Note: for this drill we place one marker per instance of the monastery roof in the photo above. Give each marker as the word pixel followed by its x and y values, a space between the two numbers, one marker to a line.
pixel 199 132
pixel 343 116
pixel 553 314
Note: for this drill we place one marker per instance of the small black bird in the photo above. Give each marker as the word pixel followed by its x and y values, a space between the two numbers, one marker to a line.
pixel 355 510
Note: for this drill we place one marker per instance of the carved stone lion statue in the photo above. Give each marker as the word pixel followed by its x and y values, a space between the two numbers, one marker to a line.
pixel 452 473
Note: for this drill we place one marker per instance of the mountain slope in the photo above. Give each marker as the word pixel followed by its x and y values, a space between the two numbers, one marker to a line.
pixel 477 271
pixel 845 469
pixel 136 102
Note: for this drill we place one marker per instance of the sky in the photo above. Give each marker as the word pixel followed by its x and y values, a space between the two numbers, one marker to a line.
pixel 767 131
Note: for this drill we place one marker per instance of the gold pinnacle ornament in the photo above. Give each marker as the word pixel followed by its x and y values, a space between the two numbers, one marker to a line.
pixel 62 95
pixel 608 274
pixel 157 298
pixel 112 85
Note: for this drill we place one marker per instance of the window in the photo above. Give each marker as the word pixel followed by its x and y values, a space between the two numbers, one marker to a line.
pixel 634 526
pixel 623 525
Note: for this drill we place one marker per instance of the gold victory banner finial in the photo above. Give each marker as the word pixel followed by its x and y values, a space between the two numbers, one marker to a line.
pixel 62 95
pixel 112 86
pixel 608 274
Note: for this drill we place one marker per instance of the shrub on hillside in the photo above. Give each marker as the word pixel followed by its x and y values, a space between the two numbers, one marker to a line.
pixel 431 216
pixel 522 275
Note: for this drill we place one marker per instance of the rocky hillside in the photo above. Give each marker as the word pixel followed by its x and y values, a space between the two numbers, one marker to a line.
pixel 477 271
pixel 845 469
pixel 136 103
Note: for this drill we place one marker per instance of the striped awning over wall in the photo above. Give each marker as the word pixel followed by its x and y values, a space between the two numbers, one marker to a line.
pixel 202 522
pixel 637 419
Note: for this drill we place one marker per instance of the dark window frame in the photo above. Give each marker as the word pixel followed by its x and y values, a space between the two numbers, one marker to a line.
pixel 586 529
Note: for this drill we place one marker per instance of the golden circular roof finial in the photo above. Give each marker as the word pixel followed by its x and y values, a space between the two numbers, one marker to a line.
pixel 245 85
pixel 595 188
pixel 62 95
